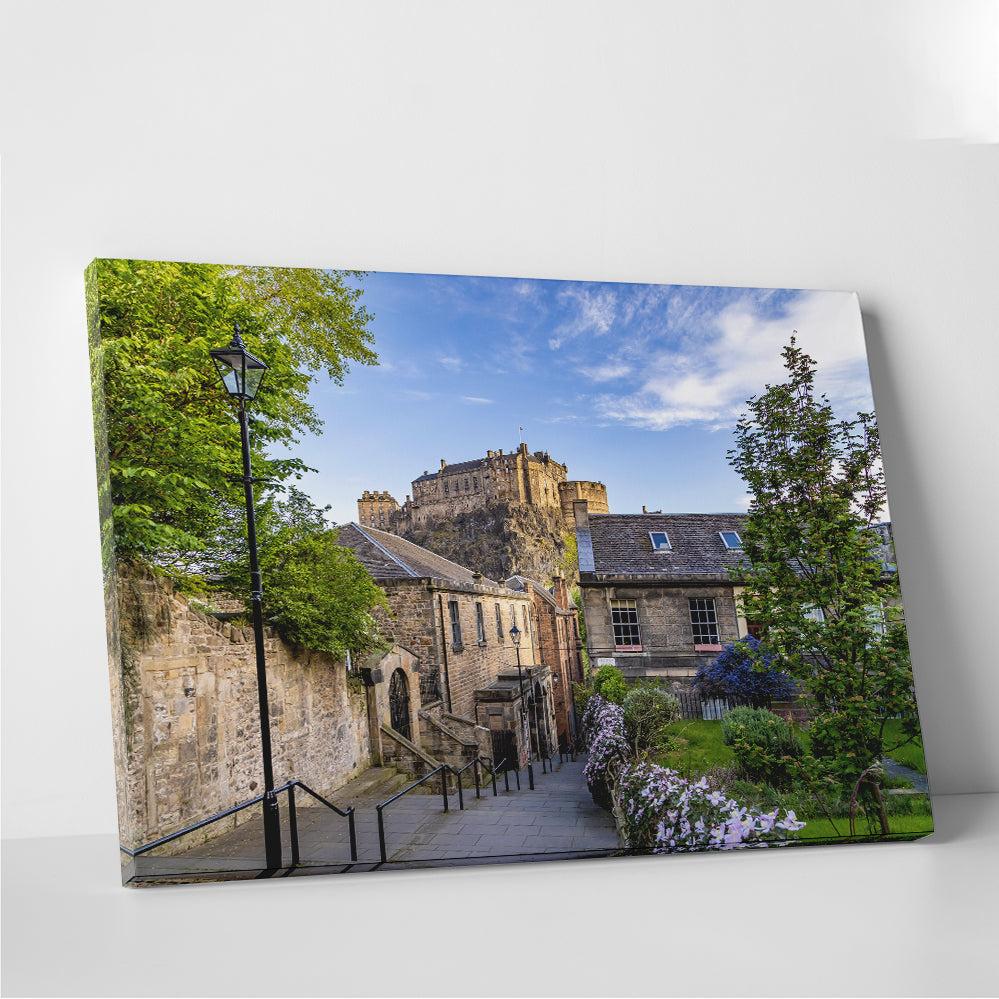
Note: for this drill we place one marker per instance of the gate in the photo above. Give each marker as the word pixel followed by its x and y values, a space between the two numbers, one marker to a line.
pixel 504 748
pixel 399 703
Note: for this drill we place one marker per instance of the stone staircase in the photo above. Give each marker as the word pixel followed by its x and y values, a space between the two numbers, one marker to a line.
pixel 371 788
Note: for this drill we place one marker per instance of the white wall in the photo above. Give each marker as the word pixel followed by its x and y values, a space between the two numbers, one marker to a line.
pixel 830 145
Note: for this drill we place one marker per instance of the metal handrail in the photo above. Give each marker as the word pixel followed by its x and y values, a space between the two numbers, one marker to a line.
pixel 293 818
pixel 475 763
pixel 395 797
pixel 493 771
pixel 292 822
pixel 198 825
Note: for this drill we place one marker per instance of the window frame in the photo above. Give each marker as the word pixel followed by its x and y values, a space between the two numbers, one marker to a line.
pixel 480 623
pixel 722 534
pixel 455 614
pixel 500 633
pixel 668 547
pixel 697 626
pixel 619 606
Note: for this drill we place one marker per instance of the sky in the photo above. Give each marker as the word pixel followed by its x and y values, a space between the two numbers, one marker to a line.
pixel 638 386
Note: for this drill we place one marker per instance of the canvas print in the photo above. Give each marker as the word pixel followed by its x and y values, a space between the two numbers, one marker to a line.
pixel 410 570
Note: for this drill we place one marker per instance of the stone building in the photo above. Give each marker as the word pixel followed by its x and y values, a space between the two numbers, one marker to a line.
pixel 556 626
pixel 457 623
pixel 520 476
pixel 657 595
pixel 658 590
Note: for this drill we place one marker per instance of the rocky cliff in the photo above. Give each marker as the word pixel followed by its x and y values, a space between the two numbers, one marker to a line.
pixel 501 540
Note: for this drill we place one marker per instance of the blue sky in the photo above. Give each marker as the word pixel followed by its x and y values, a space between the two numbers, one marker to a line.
pixel 638 386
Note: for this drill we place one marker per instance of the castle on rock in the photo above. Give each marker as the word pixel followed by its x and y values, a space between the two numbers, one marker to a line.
pixel 515 477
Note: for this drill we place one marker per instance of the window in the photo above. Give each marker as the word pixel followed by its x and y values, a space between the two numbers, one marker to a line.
pixel 480 625
pixel 447 488
pixel 452 606
pixel 703 622
pixel 624 619
pixel 875 618
pixel 731 539
pixel 660 541
pixel 499 624
pixel 814 613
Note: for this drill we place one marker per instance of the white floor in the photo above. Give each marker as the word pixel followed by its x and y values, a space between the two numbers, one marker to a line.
pixel 893 919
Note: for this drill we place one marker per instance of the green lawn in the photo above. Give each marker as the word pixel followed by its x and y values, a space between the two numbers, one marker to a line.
pixel 902 826
pixel 697 747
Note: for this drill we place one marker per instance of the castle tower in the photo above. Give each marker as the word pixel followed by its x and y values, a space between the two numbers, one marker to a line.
pixel 595 494
pixel 375 508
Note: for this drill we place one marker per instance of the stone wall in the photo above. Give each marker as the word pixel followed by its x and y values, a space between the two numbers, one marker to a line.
pixel 195 741
pixel 664 619
pixel 452 739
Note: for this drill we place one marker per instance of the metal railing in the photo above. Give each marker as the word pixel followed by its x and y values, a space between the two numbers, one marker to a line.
pixel 442 771
pixel 501 767
pixel 292 822
pixel 477 764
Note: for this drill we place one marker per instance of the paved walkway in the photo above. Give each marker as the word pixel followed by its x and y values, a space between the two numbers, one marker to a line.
pixel 557 820
pixel 919 782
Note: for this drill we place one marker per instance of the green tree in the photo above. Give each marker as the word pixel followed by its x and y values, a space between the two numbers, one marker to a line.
pixel 814 578
pixel 315 593
pixel 173 440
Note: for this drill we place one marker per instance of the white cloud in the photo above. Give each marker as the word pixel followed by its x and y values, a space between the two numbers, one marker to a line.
pixel 472 398
pixel 606 372
pixel 453 364
pixel 590 311
pixel 732 355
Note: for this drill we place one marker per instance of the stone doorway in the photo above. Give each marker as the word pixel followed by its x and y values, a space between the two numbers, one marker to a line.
pixel 399 704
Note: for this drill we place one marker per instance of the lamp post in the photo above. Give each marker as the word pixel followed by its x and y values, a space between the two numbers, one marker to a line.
pixel 242 374
pixel 515 636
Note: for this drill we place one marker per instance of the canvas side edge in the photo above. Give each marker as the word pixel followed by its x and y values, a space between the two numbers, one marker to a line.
pixel 116 679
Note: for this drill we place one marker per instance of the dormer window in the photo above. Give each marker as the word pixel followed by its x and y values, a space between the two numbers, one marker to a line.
pixel 660 541
pixel 731 539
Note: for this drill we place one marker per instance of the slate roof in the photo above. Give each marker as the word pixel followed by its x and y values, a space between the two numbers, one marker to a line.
pixel 460 466
pixel 387 556
pixel 621 544
pixel 521 583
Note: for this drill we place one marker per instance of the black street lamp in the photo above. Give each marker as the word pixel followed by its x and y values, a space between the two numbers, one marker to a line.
pixel 242 374
pixel 515 635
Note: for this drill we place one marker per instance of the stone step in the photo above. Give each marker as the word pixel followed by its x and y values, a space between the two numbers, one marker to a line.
pixel 375 784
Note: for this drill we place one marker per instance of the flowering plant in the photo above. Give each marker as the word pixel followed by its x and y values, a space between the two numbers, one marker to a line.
pixel 665 813
pixel 603 723
pixel 747 671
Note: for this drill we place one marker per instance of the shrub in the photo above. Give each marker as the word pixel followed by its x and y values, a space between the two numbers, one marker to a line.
pixel 610 684
pixel 664 813
pixel 764 744
pixel 747 671
pixel 648 709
